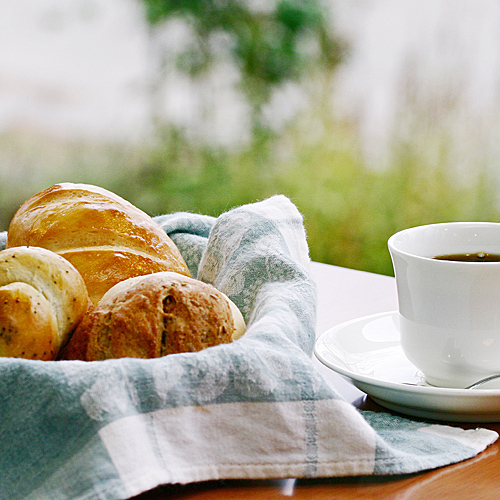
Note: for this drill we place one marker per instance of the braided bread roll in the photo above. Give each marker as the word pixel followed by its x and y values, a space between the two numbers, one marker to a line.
pixel 104 236
pixel 42 300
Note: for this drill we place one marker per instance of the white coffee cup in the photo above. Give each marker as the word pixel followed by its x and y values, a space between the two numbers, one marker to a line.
pixel 449 311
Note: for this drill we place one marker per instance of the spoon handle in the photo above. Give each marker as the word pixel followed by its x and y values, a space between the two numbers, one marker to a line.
pixel 483 381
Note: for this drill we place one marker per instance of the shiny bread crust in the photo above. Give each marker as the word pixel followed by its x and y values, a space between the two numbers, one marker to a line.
pixel 43 298
pixel 104 236
pixel 28 325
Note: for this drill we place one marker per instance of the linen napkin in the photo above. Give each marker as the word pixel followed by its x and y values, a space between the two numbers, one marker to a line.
pixel 256 408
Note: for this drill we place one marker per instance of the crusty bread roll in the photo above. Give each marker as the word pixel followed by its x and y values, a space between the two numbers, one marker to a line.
pixel 155 315
pixel 42 299
pixel 104 236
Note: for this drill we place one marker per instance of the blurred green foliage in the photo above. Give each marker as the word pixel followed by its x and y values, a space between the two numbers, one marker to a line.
pixel 272 43
pixel 349 209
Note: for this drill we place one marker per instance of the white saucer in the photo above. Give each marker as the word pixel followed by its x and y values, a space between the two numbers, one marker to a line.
pixel 367 351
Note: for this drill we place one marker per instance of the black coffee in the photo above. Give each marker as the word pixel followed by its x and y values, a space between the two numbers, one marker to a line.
pixel 471 257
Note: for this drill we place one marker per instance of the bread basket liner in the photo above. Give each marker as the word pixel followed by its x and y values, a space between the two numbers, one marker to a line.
pixel 253 409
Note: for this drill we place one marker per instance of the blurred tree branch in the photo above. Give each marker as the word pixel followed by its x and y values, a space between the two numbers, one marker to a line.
pixel 271 41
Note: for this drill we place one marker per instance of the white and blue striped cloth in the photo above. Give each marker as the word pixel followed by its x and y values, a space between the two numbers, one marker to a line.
pixel 256 408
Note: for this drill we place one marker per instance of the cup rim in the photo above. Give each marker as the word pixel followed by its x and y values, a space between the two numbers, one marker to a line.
pixel 398 234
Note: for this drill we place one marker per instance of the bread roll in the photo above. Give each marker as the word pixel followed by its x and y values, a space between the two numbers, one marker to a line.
pixel 155 315
pixel 42 299
pixel 28 325
pixel 104 236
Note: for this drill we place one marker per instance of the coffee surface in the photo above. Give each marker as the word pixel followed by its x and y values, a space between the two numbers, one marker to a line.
pixel 471 257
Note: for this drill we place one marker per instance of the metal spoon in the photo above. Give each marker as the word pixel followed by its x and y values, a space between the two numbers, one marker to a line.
pixel 475 385
pixel 483 381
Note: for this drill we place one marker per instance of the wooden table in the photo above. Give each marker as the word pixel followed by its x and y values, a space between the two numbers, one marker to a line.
pixel 344 294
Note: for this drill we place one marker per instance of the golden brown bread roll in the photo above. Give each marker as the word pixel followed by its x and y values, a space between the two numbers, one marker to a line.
pixel 28 325
pixel 155 315
pixel 104 236
pixel 42 299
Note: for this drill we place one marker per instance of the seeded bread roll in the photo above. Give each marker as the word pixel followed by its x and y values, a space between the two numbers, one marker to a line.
pixel 42 300
pixel 104 236
pixel 28 325
pixel 155 315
